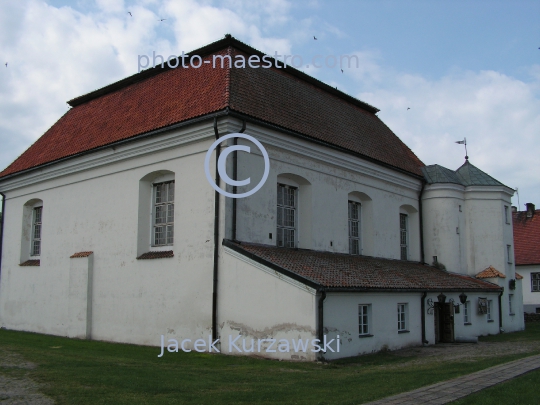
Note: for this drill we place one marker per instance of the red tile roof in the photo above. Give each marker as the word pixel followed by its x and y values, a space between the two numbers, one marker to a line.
pixel 346 272
pixel 526 238
pixel 158 98
pixel 490 272
pixel 30 263
pixel 80 254
pixel 156 255
pixel 519 276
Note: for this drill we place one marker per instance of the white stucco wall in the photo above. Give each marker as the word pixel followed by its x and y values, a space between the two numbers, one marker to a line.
pixel 327 177
pixel 96 210
pixel 256 302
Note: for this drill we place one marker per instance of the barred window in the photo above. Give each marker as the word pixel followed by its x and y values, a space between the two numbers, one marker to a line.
pixel 489 309
pixel 36 231
pixel 402 317
pixel 286 215
pixel 354 228
pixel 363 319
pixel 163 229
pixel 403 236
pixel 535 282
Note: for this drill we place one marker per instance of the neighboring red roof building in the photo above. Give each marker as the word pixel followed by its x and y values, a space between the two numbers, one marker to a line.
pixel 527 236
pixel 161 97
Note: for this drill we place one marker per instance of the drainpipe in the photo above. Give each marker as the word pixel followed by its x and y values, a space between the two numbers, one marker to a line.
pixel 235 176
pixel 423 310
pixel 320 331
pixel 500 311
pixel 420 213
pixel 216 241
pixel 2 227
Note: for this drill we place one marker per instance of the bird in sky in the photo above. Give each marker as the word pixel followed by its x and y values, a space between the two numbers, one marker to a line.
pixel 129 12
pixel 163 19
pixel 341 70
pixel 6 64
pixel 314 37
pixel 408 108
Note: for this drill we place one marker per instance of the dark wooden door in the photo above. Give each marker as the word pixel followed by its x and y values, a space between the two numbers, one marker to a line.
pixel 447 320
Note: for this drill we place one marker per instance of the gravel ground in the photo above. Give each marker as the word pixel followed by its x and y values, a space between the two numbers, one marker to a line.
pixel 445 352
pixel 16 388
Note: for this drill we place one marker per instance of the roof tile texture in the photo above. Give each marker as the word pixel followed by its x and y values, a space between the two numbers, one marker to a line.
pixel 490 272
pixel 526 238
pixel 175 95
pixel 80 254
pixel 335 270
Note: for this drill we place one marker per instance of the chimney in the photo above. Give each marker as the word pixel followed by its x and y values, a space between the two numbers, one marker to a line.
pixel 530 210
pixel 514 208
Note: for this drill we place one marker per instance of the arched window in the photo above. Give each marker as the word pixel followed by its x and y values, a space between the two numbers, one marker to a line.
pixel 156 212
pixel 32 231
pixel 409 236
pixel 293 219
pixel 360 223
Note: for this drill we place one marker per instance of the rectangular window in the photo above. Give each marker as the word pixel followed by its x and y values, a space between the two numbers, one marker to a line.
pixel 509 253
pixel 403 236
pixel 363 319
pixel 466 314
pixel 36 232
pixel 489 306
pixel 402 317
pixel 286 215
pixel 535 282
pixel 510 302
pixel 163 213
pixel 354 228
pixel 506 214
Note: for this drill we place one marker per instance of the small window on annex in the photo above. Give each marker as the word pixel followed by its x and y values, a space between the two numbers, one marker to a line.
pixel 364 315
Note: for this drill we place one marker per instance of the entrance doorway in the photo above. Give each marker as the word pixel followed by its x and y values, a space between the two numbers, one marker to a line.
pixel 444 323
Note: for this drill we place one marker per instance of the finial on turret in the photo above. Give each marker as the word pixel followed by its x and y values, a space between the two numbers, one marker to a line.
pixel 464 142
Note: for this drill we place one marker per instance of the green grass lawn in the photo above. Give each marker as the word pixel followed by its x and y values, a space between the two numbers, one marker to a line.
pixel 90 372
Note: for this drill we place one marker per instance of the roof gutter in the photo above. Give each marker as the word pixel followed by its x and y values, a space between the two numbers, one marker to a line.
pixel 2 227
pixel 216 241
pixel 500 312
pixel 320 313
pixel 420 213
pixel 423 317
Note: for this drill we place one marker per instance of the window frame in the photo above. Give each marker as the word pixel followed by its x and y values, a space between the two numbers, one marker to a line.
pixel 167 203
pixel 364 314
pixel 282 228
pixel 404 236
pixel 488 311
pixel 358 221
pixel 403 318
pixel 535 279
pixel 506 214
pixel 466 313
pixel 509 253
pixel 36 222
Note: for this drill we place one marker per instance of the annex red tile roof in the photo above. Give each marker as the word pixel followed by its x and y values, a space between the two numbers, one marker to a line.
pixel 526 238
pixel 343 271
pixel 490 272
pixel 157 98
pixel 519 276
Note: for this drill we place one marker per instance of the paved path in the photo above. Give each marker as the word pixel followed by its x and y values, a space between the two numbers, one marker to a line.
pixel 451 390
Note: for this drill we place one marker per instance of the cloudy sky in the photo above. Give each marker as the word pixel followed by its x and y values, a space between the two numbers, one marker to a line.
pixel 439 71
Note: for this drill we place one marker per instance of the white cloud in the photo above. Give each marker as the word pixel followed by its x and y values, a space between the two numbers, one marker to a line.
pixel 499 115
